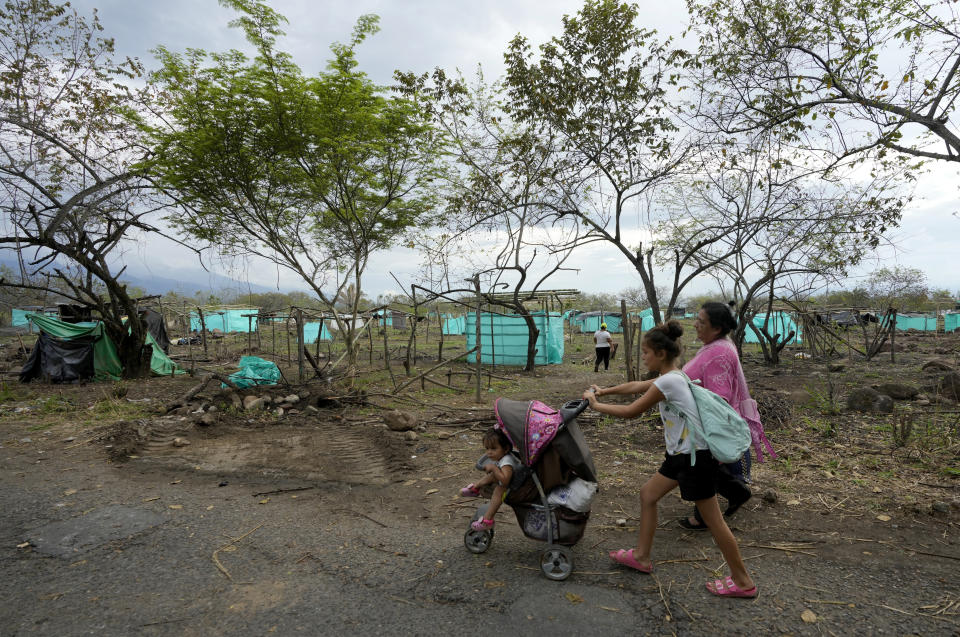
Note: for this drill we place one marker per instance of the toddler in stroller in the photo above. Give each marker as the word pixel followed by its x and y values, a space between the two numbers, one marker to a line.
pixel 551 486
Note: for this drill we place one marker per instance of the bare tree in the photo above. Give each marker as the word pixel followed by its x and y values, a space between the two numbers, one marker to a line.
pixel 781 223
pixel 71 189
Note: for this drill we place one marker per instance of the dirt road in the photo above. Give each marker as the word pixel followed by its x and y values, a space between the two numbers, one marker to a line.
pixel 363 534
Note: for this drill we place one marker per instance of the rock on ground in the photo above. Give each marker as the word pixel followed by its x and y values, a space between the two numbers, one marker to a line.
pixel 937 366
pixel 898 391
pixel 865 399
pixel 397 420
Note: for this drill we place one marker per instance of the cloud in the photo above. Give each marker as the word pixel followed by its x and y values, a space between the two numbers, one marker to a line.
pixel 419 35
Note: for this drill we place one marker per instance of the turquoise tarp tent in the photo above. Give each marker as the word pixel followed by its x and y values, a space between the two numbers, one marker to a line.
pixel 922 323
pixel 645 317
pixel 383 318
pixel 589 322
pixel 18 316
pixel 779 323
pixel 454 324
pixel 225 320
pixel 503 339
pixel 951 321
pixel 315 329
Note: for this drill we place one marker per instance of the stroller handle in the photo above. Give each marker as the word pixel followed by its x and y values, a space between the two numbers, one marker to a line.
pixel 573 408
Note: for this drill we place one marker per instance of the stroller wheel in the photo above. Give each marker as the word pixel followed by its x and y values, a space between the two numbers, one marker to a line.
pixel 556 563
pixel 477 541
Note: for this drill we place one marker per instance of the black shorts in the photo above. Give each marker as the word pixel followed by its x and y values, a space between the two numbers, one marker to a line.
pixel 698 482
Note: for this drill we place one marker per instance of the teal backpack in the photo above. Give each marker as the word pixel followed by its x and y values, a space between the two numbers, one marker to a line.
pixel 727 434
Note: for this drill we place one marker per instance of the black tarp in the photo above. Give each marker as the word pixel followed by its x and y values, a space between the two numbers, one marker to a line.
pixel 59 360
pixel 157 328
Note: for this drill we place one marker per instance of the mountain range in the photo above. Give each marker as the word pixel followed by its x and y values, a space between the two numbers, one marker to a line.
pixel 182 281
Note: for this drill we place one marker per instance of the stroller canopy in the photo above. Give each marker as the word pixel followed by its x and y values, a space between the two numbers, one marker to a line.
pixel 532 426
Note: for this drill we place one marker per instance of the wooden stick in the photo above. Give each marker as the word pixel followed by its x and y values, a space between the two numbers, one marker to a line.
pixel 216 560
pixel 780 548
pixel 282 491
pixel 447 362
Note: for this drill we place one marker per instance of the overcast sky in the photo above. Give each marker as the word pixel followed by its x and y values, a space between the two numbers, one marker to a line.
pixel 419 35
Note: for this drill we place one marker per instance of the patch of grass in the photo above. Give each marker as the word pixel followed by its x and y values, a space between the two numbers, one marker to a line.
pixel 950 471
pixel 54 405
pixel 8 394
pixel 826 400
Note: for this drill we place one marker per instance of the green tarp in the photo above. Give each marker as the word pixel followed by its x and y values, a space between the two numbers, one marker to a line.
pixel 19 317
pixel 779 323
pixel 503 339
pixel 951 321
pixel 255 371
pixel 315 329
pixel 590 324
pixel 921 323
pixel 225 320
pixel 106 361
pixel 454 324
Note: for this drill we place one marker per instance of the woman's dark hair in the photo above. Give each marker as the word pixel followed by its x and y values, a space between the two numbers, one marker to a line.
pixel 495 435
pixel 665 338
pixel 720 316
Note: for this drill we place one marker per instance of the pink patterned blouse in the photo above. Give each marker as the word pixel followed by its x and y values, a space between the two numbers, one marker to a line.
pixel 717 366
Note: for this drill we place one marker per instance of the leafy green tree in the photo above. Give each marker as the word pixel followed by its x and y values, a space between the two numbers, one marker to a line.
pixel 496 196
pixel 314 174
pixel 71 183
pixel 841 77
pixel 600 89
pixel 901 287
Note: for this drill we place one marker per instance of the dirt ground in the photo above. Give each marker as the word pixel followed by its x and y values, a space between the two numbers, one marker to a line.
pixel 325 522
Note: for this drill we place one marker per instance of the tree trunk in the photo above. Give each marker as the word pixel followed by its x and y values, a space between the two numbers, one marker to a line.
pixel 532 335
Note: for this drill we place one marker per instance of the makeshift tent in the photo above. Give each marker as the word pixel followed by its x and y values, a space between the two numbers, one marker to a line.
pixel 921 322
pixel 454 324
pixel 60 360
pixel 157 328
pixel 779 323
pixel 646 318
pixel 503 339
pixel 225 320
pixel 312 330
pixel 589 322
pixel 383 318
pixel 951 321
pixel 106 361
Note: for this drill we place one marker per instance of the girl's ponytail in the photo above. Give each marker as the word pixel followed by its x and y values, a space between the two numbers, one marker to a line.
pixel 665 338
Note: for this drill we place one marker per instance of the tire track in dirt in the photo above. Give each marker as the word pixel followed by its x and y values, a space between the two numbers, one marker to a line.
pixel 326 451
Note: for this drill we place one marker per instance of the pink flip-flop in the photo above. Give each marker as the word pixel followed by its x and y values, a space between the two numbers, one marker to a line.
pixel 625 557
pixel 727 588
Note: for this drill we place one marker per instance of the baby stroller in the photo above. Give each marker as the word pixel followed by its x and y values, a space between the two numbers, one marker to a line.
pixel 553 453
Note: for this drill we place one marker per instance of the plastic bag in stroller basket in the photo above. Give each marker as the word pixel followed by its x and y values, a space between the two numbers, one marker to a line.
pixel 568 526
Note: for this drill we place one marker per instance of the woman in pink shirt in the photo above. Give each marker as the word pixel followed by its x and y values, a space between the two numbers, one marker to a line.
pixel 717 367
